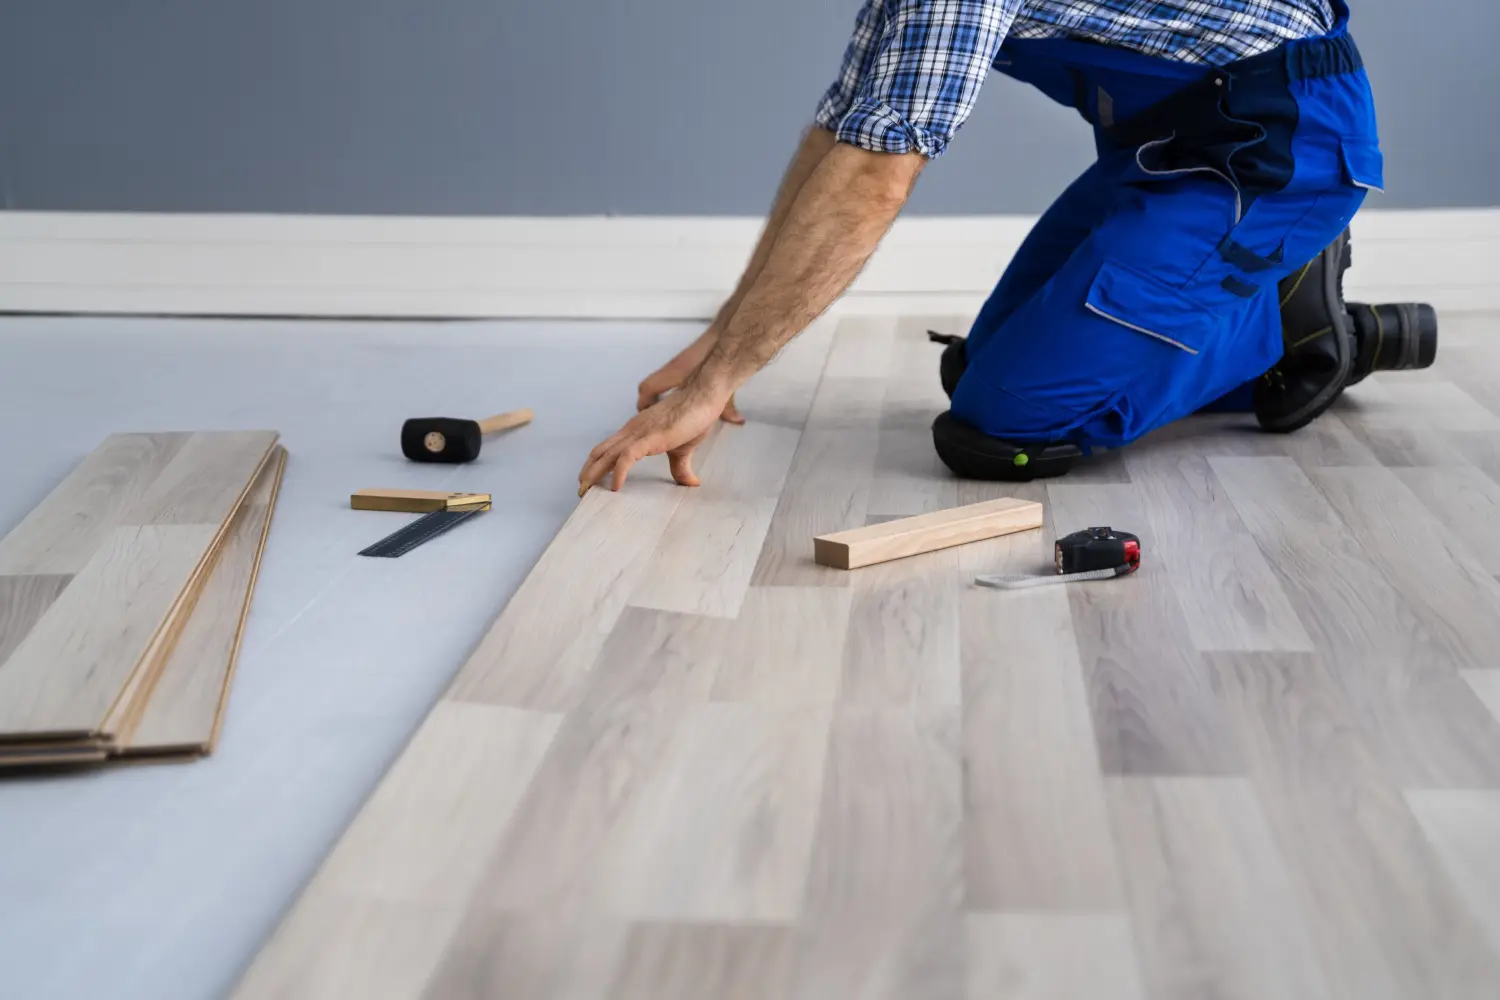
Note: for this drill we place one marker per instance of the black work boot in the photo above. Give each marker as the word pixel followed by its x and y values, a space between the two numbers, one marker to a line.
pixel 955 359
pixel 1318 338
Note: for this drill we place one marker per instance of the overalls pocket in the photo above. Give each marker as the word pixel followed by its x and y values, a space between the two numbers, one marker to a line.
pixel 1141 303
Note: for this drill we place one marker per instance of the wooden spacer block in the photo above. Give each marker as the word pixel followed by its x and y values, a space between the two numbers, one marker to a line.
pixel 940 529
pixel 413 501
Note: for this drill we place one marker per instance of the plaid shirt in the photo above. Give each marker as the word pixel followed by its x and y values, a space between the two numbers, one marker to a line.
pixel 912 70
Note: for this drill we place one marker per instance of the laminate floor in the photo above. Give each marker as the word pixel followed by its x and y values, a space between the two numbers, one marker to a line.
pixel 686 762
pixel 160 882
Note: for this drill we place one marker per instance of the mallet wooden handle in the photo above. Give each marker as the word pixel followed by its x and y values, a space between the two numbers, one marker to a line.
pixel 505 421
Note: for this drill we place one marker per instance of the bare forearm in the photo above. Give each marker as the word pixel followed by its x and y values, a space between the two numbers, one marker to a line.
pixel 833 226
pixel 814 146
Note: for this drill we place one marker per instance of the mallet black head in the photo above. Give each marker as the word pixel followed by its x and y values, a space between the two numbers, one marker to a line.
pixel 440 439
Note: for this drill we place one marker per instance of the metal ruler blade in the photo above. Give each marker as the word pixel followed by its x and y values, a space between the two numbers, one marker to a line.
pixel 423 529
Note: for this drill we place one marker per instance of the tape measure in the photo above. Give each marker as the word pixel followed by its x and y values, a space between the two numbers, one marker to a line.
pixel 1090 554
pixel 423 529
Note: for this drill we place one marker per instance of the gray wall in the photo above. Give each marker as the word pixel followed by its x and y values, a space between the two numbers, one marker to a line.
pixel 547 107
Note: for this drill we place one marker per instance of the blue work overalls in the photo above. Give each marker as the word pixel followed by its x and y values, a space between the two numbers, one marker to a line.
pixel 1148 291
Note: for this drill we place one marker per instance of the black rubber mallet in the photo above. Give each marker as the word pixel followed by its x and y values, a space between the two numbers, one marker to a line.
pixel 450 440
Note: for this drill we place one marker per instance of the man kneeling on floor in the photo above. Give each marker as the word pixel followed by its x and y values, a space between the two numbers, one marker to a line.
pixel 1197 264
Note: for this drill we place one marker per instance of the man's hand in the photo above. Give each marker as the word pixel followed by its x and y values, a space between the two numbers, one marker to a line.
pixel 672 374
pixel 675 425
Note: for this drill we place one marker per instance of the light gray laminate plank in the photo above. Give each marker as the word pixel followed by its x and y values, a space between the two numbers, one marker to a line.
pixel 1441 404
pixel 536 656
pixel 1327 441
pixel 431 826
pixel 65 675
pixel 73 673
pixel 205 481
pixel 1153 708
pixel 1453 595
pixel 24 599
pixel 562 849
pixel 909 476
pixel 861 347
pixel 535 956
pixel 1480 449
pixel 902 645
pixel 828 486
pixel 1381 911
pixel 706 556
pixel 1230 598
pixel 61 533
pixel 1398 435
pixel 688 962
pixel 1486 684
pixel 714 540
pixel 724 834
pixel 1467 503
pixel 1051 956
pixel 786 648
pixel 1464 828
pixel 336 948
pixel 882 916
pixel 1036 832
pixel 379 915
pixel 1216 913
pixel 1396 674
pixel 187 700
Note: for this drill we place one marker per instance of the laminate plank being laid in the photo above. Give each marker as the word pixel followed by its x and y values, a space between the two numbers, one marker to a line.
pixel 1252 770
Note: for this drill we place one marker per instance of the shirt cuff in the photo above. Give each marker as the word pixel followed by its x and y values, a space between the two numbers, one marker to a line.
pixel 879 128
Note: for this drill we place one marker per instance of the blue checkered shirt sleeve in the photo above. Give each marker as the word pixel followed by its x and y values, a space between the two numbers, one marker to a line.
pixel 912 72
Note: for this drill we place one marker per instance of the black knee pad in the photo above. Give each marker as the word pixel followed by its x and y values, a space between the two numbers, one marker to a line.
pixel 974 455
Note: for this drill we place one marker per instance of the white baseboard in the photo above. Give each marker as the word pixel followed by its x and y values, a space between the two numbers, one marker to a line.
pixel 659 268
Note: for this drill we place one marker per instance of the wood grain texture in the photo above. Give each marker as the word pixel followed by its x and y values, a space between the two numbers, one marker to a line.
pixel 1450 592
pixel 533 657
pixel 786 648
pixel 929 532
pixel 1233 600
pixel 828 488
pixel 1467 503
pixel 186 705
pixel 73 672
pixel 61 533
pixel 1051 956
pixel 727 962
pixel 1464 828
pixel 562 848
pixel 1153 707
pixel 205 481
pixel 724 833
pixel 902 643
pixel 1216 913
pixel 884 896
pixel 24 599
pixel 709 551
pixel 1385 919
pixel 538 956
pixel 64 677
pixel 1262 767
pixel 1036 833
pixel 1397 674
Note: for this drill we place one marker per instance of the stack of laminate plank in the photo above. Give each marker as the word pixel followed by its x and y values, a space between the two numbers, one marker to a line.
pixel 124 593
